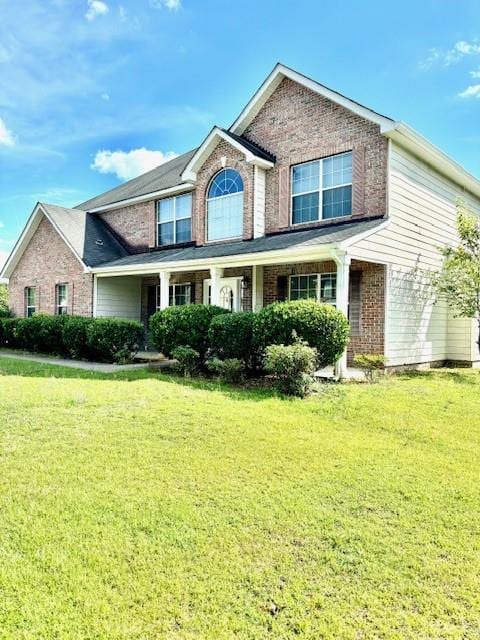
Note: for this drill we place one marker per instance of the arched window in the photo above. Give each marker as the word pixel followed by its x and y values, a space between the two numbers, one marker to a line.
pixel 225 206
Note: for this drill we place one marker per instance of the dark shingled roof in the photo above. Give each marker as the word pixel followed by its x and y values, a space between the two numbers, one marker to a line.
pixel 165 176
pixel 92 241
pixel 299 239
pixel 250 146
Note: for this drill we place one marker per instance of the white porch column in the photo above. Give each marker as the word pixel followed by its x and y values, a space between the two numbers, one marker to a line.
pixel 164 289
pixel 215 274
pixel 342 261
pixel 257 287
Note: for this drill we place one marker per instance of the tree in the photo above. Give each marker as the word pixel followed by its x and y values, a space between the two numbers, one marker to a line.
pixel 459 279
pixel 4 311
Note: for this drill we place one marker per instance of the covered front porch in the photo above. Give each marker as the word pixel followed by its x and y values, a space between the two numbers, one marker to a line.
pixel 355 287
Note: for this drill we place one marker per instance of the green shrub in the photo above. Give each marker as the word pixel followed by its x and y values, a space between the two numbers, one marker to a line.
pixel 321 325
pixel 371 363
pixel 292 366
pixel 8 332
pixel 41 333
pixel 4 309
pixel 188 361
pixel 74 337
pixel 231 370
pixel 183 325
pixel 231 336
pixel 114 340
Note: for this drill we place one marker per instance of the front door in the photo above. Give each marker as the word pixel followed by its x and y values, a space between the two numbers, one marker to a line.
pixel 230 293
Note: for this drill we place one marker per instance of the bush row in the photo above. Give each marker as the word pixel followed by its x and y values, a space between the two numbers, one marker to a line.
pixel 214 332
pixel 98 339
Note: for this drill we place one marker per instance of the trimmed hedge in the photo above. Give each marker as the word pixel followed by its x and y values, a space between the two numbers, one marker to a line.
pixel 104 339
pixel 114 340
pixel 320 325
pixel 183 326
pixel 41 333
pixel 231 336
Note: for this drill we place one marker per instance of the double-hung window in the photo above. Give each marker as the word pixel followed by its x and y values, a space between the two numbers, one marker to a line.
pixel 174 220
pixel 61 295
pixel 319 286
pixel 322 189
pixel 178 294
pixel 30 301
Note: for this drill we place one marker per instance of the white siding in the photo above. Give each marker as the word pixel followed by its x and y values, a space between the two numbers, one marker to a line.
pixel 259 203
pixel 118 297
pixel 422 217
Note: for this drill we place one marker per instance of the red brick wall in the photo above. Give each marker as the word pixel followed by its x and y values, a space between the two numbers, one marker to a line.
pixel 48 261
pixel 134 225
pixel 236 160
pixel 298 125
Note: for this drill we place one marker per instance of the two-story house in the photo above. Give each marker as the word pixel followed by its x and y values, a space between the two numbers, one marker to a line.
pixel 306 194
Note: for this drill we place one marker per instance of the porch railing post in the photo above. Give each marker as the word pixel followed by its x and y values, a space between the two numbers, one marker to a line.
pixel 164 289
pixel 342 261
pixel 216 273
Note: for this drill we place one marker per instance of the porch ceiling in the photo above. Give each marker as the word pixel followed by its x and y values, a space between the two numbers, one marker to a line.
pixel 260 250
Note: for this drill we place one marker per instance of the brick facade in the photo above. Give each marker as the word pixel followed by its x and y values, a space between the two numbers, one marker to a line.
pixel 46 262
pixel 134 225
pixel 298 125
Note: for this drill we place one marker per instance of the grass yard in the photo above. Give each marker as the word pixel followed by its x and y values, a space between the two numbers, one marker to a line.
pixel 141 507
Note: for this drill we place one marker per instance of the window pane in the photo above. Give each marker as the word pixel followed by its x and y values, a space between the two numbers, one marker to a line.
pixel 337 170
pixel 306 177
pixel 302 287
pixel 62 295
pixel 165 210
pixel 165 233
pixel 337 202
pixel 328 288
pixel 183 206
pixel 305 208
pixel 179 294
pixel 31 296
pixel 225 217
pixel 183 233
pixel 226 182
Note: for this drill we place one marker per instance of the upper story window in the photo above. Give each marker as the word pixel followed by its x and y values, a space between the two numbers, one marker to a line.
pixel 225 206
pixel 61 295
pixel 174 220
pixel 30 301
pixel 322 189
pixel 322 287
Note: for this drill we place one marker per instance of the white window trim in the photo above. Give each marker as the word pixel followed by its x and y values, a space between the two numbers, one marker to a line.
pixel 176 284
pixel 217 198
pixel 319 278
pixel 57 298
pixel 320 190
pixel 174 219
pixel 31 306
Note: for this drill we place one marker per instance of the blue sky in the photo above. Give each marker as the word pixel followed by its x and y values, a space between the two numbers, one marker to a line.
pixel 95 91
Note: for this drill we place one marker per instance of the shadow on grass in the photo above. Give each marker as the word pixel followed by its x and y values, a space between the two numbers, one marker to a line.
pixel 459 376
pixel 251 390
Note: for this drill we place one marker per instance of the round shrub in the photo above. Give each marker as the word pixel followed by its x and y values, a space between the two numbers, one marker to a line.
pixel 231 336
pixel 8 333
pixel 41 333
pixel 74 337
pixel 114 340
pixel 292 367
pixel 320 325
pixel 183 326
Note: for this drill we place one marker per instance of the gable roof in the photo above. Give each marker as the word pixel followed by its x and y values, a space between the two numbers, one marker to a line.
pixel 166 176
pixel 273 80
pixel 253 153
pixel 87 237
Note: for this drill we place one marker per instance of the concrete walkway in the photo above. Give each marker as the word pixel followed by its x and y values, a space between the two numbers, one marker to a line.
pixel 98 367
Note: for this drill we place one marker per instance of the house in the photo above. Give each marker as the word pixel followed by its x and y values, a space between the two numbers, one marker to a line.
pixel 306 194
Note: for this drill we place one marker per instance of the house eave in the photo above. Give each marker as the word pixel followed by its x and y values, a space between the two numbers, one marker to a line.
pixel 152 195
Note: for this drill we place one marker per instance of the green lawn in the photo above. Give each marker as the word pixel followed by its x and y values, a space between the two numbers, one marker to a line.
pixel 140 506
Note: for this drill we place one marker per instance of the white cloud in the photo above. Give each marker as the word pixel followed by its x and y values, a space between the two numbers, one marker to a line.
pixel 460 49
pixel 6 136
pixel 473 91
pixel 3 258
pixel 105 96
pixel 475 74
pixel 129 164
pixel 96 8
pixel 172 5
